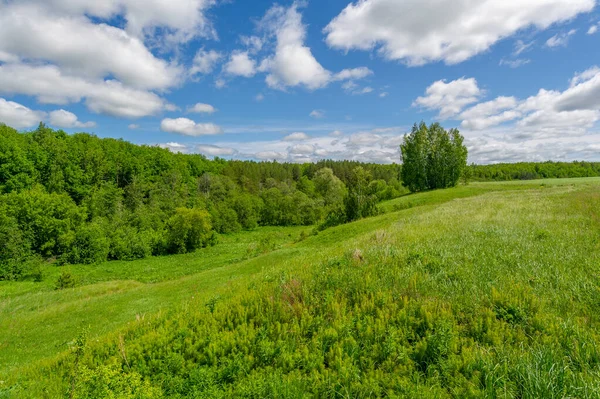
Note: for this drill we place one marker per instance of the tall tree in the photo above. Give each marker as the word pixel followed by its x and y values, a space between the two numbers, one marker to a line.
pixel 432 157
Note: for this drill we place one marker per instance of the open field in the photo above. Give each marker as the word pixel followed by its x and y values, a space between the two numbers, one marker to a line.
pixel 485 290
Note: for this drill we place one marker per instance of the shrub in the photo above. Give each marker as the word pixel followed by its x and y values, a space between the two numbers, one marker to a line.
pixel 65 280
pixel 89 246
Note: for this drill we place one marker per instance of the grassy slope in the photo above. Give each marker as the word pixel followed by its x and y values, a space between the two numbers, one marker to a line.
pixel 539 235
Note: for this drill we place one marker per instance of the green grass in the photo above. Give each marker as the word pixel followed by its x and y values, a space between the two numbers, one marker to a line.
pixel 485 290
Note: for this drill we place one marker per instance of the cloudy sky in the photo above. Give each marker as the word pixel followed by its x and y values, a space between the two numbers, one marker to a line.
pixel 305 80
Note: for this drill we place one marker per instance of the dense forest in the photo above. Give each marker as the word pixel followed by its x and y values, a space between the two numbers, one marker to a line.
pixel 81 199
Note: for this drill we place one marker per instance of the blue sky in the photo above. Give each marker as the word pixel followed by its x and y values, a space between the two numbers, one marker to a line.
pixel 306 80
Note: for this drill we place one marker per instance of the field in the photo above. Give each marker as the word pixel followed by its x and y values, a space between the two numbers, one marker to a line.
pixel 484 290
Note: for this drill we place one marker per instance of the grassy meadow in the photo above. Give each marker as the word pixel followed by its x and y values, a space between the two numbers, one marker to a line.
pixel 485 290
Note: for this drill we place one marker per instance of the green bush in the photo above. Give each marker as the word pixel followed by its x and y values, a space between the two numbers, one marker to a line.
pixel 89 245
pixel 65 280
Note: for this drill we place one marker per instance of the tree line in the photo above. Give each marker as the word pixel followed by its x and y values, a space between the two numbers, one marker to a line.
pixel 81 199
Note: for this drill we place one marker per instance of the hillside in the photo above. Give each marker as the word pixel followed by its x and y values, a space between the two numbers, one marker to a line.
pixel 486 290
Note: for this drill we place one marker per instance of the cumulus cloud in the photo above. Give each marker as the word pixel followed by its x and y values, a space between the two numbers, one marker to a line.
pixel 253 43
pixel 19 116
pixel 34 32
pixel 65 51
pixel 593 29
pixel 450 98
pixel 51 86
pixel 293 63
pixel 353 74
pixel 298 136
pixel 133 126
pixel 240 64
pixel 420 32
pixel 204 62
pixel 552 124
pixel 201 108
pixel 188 127
pixel 176 20
pixel 68 120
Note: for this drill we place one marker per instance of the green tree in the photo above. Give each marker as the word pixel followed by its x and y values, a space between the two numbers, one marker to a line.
pixel 330 187
pixel 188 230
pixel 432 157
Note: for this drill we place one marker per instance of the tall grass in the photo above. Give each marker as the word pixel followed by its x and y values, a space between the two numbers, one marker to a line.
pixel 492 295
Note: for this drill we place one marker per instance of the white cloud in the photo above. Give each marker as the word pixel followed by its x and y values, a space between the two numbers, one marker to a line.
pixel 593 29
pixel 552 124
pixel 353 74
pixel 271 155
pixel 259 97
pixel 73 42
pixel 201 108
pixel 336 133
pixel 254 43
pixel 188 127
pixel 214 151
pixel 317 114
pixel 240 64
pixel 490 113
pixel 450 98
pixel 384 94
pixel 521 47
pixel 298 136
pixel 19 116
pixel 220 83
pixel 68 120
pixel 133 126
pixel 560 39
pixel 175 147
pixel 51 86
pixel 301 149
pixel 205 62
pixel 293 64
pixel 419 32
pixel 177 20
pixel 519 62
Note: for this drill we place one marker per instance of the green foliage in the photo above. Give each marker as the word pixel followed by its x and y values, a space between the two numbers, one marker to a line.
pixel 46 220
pixel 531 170
pixel 89 245
pixel 432 157
pixel 188 230
pixel 54 185
pixel 65 280
pixel 14 249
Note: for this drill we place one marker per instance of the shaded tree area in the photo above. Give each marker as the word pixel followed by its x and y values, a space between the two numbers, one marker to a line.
pixel 432 157
pixel 81 199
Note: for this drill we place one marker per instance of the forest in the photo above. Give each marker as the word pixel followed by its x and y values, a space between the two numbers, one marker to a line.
pixel 81 199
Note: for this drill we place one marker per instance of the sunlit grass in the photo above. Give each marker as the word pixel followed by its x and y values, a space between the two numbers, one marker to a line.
pixel 501 281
